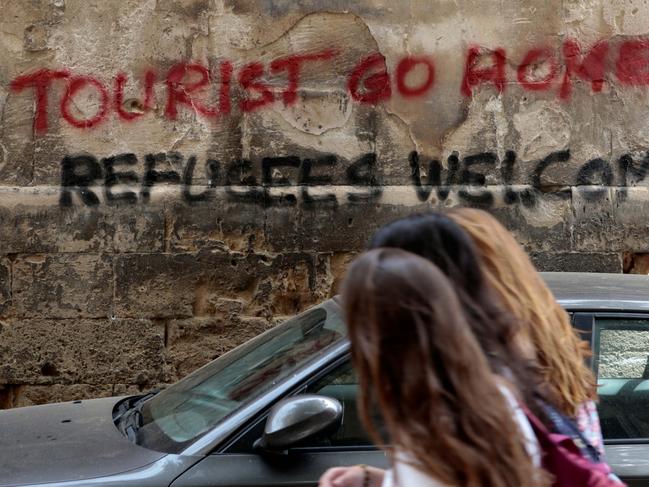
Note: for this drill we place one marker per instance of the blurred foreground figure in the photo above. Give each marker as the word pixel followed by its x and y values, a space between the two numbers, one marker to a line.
pixel 545 326
pixel 450 419
pixel 524 333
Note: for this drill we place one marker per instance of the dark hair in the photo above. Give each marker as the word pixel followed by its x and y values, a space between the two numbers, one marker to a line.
pixel 440 240
pixel 420 363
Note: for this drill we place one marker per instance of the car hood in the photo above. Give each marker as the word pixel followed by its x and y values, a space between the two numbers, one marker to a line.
pixel 67 441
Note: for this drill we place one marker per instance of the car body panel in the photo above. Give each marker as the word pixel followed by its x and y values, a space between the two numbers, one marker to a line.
pixel 294 469
pixel 578 291
pixel 160 473
pixel 630 462
pixel 67 441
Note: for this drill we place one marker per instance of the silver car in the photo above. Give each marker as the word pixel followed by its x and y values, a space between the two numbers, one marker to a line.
pixel 281 409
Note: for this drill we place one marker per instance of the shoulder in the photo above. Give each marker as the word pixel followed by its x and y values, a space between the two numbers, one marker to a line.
pixel 588 423
pixel 524 426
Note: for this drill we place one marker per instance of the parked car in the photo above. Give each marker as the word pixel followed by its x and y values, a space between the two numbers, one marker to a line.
pixel 281 409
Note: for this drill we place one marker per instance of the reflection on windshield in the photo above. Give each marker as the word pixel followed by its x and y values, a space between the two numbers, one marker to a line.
pixel 183 412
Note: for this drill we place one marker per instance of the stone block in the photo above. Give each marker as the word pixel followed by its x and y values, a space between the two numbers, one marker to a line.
pixel 33 395
pixel 5 286
pixel 544 226
pixel 62 285
pixel 137 229
pixel 636 263
pixel 9 394
pixel 577 261
pixel 594 219
pixel 338 265
pixel 631 220
pixel 185 285
pixel 611 219
pixel 343 224
pixel 13 396
pixel 539 221
pixel 82 351
pixel 38 224
pixel 215 224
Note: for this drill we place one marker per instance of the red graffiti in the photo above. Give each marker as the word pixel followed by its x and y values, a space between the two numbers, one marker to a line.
pixel 405 66
pixel 591 68
pixel 120 81
pixel 534 58
pixel 225 106
pixel 179 89
pixel 40 81
pixel 249 79
pixel 632 67
pixel 475 75
pixel 209 92
pixel 74 86
pixel 293 66
pixel 376 86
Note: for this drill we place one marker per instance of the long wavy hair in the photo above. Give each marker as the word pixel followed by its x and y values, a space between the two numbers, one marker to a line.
pixel 560 352
pixel 419 361
pixel 437 238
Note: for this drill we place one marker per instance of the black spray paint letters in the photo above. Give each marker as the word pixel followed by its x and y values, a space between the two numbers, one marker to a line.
pixel 246 181
pixel 83 174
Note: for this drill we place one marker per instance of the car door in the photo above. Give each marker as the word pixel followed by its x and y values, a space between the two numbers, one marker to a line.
pixel 620 343
pixel 239 464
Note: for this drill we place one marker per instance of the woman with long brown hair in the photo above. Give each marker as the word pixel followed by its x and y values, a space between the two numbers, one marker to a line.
pixel 451 420
pixel 546 327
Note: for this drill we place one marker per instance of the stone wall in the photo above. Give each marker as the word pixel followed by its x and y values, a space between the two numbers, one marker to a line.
pixel 178 175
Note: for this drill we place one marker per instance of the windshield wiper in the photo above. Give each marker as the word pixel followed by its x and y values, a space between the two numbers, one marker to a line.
pixel 131 420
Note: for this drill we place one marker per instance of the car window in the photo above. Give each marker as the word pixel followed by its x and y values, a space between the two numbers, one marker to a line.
pixel 342 384
pixel 185 411
pixel 622 366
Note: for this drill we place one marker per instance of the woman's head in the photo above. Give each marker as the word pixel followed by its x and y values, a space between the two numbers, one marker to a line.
pixel 437 238
pixel 419 361
pixel 509 271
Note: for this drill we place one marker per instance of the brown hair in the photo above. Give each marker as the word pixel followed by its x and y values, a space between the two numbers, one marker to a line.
pixel 559 350
pixel 420 363
pixel 440 240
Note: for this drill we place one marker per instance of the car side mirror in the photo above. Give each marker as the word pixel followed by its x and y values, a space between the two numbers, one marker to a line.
pixel 298 418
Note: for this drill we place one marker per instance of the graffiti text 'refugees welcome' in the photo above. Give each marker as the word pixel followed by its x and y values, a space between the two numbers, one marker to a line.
pixel 85 174
pixel 189 85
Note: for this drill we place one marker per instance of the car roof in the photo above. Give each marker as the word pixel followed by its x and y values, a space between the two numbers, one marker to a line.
pixel 594 291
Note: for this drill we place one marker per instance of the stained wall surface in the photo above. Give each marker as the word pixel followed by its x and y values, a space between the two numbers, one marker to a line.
pixel 178 175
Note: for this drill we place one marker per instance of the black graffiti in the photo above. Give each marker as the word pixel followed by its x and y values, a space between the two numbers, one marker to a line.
pixel 152 176
pixel 261 183
pixel 595 172
pixel 113 178
pixel 434 179
pixel 628 166
pixel 212 170
pixel 307 179
pixel 78 173
pixel 362 172
pixel 512 196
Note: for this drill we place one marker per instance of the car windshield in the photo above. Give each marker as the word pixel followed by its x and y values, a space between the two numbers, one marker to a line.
pixel 182 413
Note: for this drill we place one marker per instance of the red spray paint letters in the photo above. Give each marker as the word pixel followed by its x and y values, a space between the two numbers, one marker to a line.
pixel 190 85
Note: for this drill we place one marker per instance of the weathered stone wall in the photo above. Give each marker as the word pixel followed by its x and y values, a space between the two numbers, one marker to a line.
pixel 177 175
